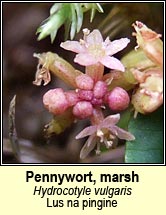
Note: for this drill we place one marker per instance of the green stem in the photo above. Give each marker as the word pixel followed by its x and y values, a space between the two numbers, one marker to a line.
pixel 59 67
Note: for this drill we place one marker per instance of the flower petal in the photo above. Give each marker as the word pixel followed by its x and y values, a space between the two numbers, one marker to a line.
pixel 121 134
pixel 110 120
pixel 106 42
pixel 88 147
pixel 94 37
pixel 73 46
pixel 87 131
pixel 85 59
pixel 116 46
pixel 112 63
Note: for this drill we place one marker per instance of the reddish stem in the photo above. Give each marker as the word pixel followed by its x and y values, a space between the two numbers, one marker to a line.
pixel 97 116
pixel 95 71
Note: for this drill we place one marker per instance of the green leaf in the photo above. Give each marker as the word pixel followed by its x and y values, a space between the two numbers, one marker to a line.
pixel 68 14
pixel 148 144
pixel 51 25
pixel 79 14
pixel 55 8
pixel 124 119
pixel 73 22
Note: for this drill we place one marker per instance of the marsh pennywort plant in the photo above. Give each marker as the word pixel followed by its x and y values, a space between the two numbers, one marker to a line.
pixel 91 94
pixel 139 72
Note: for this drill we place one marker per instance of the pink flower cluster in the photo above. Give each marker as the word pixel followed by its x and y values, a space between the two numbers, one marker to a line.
pixel 87 96
pixel 92 92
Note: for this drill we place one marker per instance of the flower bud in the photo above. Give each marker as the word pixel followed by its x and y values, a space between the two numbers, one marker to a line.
pixel 97 102
pixel 55 101
pixel 85 95
pixel 83 109
pixel 118 99
pixel 71 97
pixel 84 82
pixel 100 89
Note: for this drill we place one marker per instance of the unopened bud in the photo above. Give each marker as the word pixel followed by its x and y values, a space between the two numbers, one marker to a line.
pixel 55 101
pixel 72 97
pixel 100 89
pixel 85 95
pixel 83 109
pixel 118 99
pixel 84 82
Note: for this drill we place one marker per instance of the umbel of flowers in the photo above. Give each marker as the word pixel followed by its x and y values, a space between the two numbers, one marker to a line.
pixel 93 91
pixel 86 98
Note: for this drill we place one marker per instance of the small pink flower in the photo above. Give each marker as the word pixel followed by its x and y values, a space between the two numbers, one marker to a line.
pixel 92 50
pixel 105 132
